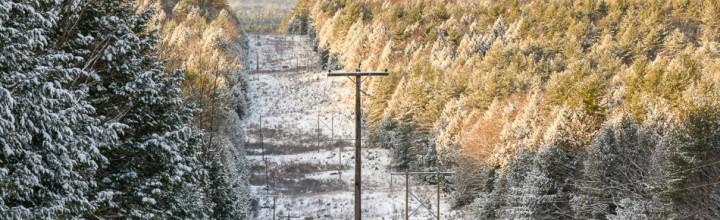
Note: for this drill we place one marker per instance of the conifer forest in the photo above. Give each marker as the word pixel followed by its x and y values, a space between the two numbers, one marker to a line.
pixel 476 109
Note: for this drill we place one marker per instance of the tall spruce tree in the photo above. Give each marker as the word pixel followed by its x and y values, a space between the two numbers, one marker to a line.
pixel 93 126
pixel 49 139
pixel 152 170
pixel 598 188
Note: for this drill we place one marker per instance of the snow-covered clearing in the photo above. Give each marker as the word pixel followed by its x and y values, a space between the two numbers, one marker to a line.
pixel 311 174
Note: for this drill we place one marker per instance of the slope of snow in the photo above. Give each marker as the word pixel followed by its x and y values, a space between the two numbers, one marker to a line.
pixel 312 175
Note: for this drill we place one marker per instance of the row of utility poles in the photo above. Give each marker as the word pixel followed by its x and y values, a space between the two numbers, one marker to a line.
pixel 264 159
pixel 262 143
pixel 358 161
pixel 295 52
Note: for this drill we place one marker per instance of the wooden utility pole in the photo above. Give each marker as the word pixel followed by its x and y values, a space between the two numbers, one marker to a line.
pixel 438 194
pixel 297 57
pixel 297 63
pixel 332 124
pixel 357 74
pixel 274 198
pixel 318 132
pixel 332 137
pixel 262 146
pixel 407 192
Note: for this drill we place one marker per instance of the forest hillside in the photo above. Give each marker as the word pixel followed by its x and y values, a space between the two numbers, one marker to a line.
pixel 122 109
pixel 545 109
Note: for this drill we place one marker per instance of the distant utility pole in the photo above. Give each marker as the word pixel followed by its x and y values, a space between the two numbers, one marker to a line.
pixel 318 133
pixel 262 146
pixel 274 197
pixel 357 74
pixel 332 137
pixel 297 63
pixel 257 58
pixel 297 58
pixel 408 193
pixel 332 124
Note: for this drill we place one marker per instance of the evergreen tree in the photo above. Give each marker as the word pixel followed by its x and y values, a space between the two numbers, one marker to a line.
pixel 152 171
pixel 397 138
pixel 93 126
pixel 471 180
pixel 693 173
pixel 511 202
pixel 598 188
pixel 222 195
pixel 549 186
pixel 487 205
pixel 49 139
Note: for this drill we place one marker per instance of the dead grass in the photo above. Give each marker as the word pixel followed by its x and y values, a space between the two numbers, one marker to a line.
pixel 292 178
pixel 302 143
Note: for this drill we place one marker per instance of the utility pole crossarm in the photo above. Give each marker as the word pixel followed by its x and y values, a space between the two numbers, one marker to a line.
pixel 357 74
pixel 419 173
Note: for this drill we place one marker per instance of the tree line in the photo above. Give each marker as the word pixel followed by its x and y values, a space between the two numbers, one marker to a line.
pixel 546 109
pixel 97 121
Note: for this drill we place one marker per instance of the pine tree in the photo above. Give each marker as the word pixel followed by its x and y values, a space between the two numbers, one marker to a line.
pixel 676 42
pixel 222 195
pixel 487 205
pixel 93 126
pixel 598 188
pixel 399 143
pixel 471 180
pixel 549 186
pixel 512 202
pixel 711 22
pixel 48 136
pixel 228 172
pixel 152 170
pixel 696 143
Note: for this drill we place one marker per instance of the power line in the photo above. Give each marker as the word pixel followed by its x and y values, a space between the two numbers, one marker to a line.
pixel 697 167
pixel 693 187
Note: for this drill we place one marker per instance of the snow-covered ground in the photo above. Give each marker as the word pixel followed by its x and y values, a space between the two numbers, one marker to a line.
pixel 311 174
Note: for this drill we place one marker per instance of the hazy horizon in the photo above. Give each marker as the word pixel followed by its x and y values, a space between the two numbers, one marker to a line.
pixel 268 4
